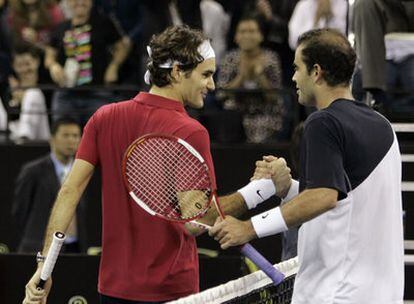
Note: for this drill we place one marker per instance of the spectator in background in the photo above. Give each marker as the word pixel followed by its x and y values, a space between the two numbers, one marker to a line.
pixel 86 50
pixel 314 14
pixel 216 24
pixel 127 16
pixel 32 121
pixel 36 188
pixel 163 13
pixel 33 20
pixel 274 17
pixel 387 27
pixel 253 67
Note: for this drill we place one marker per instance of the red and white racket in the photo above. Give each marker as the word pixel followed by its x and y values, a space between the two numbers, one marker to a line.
pixel 168 178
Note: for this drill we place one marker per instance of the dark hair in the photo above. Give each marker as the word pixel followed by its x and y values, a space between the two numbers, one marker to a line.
pixel 252 17
pixel 66 120
pixel 332 51
pixel 176 43
pixel 22 47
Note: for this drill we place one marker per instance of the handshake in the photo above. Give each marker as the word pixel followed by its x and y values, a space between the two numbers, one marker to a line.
pixel 271 177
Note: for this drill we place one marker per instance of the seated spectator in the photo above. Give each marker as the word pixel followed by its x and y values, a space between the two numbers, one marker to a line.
pixel 252 67
pixel 274 17
pixel 85 50
pixel 32 21
pixel 388 72
pixel 36 188
pixel 312 14
pixel 32 122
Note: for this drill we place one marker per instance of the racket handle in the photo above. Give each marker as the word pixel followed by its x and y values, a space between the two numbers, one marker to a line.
pixel 275 275
pixel 54 249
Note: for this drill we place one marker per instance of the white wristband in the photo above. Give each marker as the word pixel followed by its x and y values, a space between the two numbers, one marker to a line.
pixel 269 223
pixel 293 191
pixel 257 191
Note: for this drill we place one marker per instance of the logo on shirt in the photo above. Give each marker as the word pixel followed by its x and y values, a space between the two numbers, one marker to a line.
pixel 265 215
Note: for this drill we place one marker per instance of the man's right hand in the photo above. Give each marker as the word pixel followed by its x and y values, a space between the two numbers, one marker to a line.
pixel 276 169
pixel 34 295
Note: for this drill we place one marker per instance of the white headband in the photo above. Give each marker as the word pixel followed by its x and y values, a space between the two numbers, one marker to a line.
pixel 205 50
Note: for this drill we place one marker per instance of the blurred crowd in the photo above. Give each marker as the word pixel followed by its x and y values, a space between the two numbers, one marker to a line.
pixel 60 58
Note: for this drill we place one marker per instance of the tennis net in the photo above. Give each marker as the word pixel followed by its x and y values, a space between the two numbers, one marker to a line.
pixel 253 288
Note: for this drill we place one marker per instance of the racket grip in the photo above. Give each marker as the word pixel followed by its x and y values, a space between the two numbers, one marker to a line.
pixel 57 242
pixel 275 275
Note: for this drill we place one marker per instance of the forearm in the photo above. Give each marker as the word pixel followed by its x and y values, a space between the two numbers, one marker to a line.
pixel 308 205
pixel 232 204
pixel 120 53
pixel 50 57
pixel 68 199
pixel 62 213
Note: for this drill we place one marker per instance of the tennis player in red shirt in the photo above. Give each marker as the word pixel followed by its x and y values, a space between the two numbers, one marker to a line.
pixel 146 259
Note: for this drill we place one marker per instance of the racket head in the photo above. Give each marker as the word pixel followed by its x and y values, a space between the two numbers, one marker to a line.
pixel 167 177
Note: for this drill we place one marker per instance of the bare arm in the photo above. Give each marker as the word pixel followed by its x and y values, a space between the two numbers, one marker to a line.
pixel 120 52
pixel 304 207
pixel 62 213
pixel 68 199
pixel 55 69
pixel 232 204
pixel 308 205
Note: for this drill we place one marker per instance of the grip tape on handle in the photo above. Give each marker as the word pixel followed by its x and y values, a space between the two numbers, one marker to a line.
pixel 275 275
pixel 53 253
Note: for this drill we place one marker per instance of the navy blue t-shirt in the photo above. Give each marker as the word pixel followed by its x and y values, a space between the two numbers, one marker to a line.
pixel 340 143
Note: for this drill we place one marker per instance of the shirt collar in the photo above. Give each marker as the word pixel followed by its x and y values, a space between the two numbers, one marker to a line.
pixel 60 168
pixel 159 101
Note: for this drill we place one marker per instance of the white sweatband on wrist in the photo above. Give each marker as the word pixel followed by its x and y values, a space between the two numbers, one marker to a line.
pixel 293 191
pixel 269 223
pixel 257 191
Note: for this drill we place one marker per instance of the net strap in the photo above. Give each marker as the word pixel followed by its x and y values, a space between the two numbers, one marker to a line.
pixel 239 287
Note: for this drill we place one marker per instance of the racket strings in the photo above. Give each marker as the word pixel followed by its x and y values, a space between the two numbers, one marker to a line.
pixel 168 178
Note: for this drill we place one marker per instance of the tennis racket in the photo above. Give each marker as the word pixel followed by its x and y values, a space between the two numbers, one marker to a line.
pixel 168 178
pixel 50 261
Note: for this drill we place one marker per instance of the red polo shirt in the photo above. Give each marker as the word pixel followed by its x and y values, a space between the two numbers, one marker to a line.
pixel 144 258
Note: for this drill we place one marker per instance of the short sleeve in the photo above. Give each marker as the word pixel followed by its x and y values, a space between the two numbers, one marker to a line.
pixel 88 148
pixel 321 156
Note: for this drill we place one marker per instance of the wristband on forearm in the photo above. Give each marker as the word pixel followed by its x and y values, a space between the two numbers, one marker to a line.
pixel 269 223
pixel 257 191
pixel 293 191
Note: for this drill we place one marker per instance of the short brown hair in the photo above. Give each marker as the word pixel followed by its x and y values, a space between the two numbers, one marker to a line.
pixel 176 43
pixel 332 51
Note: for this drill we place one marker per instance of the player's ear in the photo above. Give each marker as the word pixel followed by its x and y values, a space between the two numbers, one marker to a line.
pixel 176 73
pixel 317 72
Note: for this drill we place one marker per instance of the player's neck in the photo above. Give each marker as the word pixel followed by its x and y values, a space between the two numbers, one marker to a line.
pixel 327 95
pixel 166 92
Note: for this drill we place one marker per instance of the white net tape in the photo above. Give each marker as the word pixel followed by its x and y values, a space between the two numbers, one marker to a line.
pixel 239 287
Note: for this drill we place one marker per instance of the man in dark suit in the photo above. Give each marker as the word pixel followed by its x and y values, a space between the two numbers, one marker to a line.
pixel 37 185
